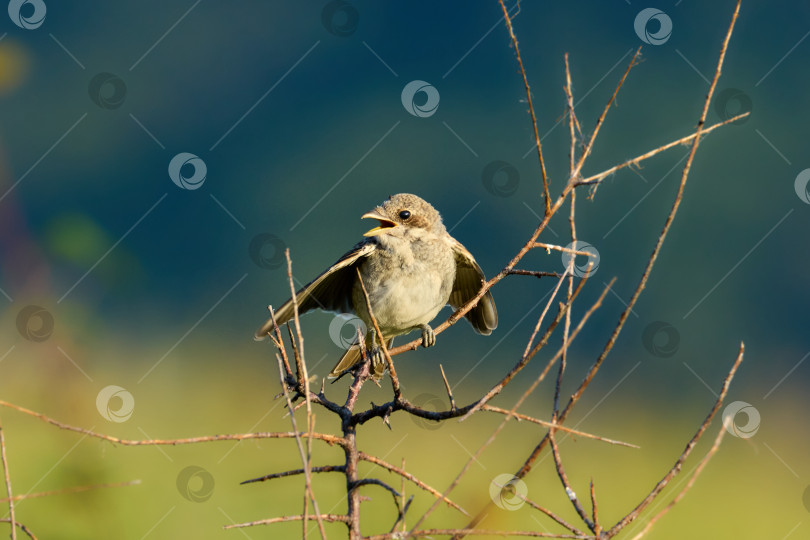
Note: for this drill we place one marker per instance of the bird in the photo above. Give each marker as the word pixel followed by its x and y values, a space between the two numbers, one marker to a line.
pixel 411 268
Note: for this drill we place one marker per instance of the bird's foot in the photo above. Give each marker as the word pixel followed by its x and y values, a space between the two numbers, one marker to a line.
pixel 378 365
pixel 428 337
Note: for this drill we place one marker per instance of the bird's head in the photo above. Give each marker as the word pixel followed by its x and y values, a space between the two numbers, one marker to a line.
pixel 402 212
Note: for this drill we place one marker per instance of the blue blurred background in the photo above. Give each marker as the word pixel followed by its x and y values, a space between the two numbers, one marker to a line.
pixel 296 111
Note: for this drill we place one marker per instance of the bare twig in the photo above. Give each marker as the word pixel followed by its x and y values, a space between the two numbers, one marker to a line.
pixel 552 515
pixel 703 462
pixel 676 468
pixel 330 439
pixel 308 493
pixel 77 489
pixel 597 178
pixel 7 480
pixel 405 474
pixel 572 431
pixel 279 343
pixel 323 517
pixel 572 496
pixel 597 528
pixel 534 273
pixel 588 147
pixel 546 196
pixel 572 118
pixel 293 472
pixel 449 390
pixel 22 527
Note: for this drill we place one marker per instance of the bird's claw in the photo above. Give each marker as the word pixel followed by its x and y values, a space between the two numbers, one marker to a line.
pixel 428 337
pixel 378 365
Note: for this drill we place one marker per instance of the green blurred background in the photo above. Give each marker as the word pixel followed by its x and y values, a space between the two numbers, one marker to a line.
pixel 296 111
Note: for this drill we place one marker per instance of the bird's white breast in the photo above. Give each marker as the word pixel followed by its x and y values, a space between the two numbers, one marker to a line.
pixel 408 283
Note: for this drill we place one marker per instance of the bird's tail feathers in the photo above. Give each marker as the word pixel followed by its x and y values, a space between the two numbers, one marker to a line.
pixel 354 356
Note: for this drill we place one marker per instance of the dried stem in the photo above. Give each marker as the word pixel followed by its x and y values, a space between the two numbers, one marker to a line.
pixel 676 468
pixel 330 439
pixel 546 196
pixel 22 527
pixel 408 476
pixel 324 517
pixel 597 528
pixel 703 462
pixel 597 178
pixel 77 489
pixel 448 389
pixel 293 472
pixel 572 431
pixel 572 496
pixel 7 480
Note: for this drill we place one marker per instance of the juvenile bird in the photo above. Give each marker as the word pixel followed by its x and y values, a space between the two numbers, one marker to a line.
pixel 411 268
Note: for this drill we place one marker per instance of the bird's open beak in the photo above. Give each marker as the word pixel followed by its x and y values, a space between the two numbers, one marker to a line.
pixel 385 223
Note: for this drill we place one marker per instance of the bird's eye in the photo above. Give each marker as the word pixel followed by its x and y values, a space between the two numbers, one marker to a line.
pixel 404 214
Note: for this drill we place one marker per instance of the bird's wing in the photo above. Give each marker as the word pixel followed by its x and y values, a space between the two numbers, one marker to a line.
pixel 330 291
pixel 469 277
